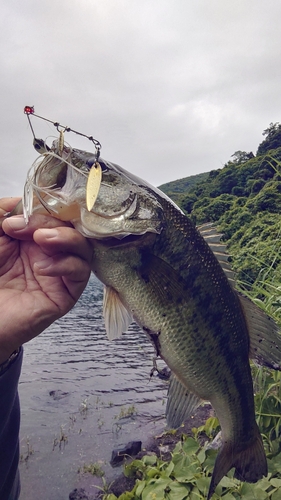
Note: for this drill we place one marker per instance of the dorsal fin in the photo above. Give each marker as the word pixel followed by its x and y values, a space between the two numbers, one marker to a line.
pixel 265 338
pixel 117 318
pixel 212 237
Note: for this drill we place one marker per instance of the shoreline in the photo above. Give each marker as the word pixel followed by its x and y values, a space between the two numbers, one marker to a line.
pixel 162 445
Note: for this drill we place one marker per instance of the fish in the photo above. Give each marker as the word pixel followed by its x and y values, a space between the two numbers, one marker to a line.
pixel 175 281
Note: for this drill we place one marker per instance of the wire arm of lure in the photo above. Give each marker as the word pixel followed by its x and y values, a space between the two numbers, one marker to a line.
pixel 29 110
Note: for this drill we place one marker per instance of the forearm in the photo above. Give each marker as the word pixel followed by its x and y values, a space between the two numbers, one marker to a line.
pixel 9 428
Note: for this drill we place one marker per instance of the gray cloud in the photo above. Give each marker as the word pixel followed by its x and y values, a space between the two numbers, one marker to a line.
pixel 169 88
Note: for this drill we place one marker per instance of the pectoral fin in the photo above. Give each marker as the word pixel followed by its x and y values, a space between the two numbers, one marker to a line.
pixel 181 403
pixel 117 318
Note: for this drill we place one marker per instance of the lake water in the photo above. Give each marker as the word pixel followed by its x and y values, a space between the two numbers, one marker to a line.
pixel 81 396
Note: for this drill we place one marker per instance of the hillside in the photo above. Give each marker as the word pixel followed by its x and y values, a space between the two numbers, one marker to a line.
pixel 243 199
pixel 178 189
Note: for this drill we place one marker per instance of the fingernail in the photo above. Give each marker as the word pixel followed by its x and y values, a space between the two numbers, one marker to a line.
pixel 49 233
pixel 43 264
pixel 16 222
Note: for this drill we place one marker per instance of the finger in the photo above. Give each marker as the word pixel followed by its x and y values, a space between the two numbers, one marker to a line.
pixel 71 267
pixel 16 226
pixel 63 240
pixel 7 204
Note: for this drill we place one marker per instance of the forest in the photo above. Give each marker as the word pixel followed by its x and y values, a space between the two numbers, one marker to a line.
pixel 243 200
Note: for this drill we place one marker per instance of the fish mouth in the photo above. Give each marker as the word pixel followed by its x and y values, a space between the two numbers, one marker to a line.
pixel 56 184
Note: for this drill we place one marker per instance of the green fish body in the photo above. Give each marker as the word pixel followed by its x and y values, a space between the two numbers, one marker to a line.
pixel 176 290
pixel 159 270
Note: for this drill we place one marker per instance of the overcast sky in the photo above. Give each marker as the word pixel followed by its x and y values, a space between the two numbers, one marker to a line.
pixel 170 88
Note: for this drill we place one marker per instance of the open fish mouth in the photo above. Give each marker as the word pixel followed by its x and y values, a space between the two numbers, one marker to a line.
pixel 50 183
pixel 59 183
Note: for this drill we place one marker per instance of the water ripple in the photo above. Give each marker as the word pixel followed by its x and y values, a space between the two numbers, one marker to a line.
pixel 100 381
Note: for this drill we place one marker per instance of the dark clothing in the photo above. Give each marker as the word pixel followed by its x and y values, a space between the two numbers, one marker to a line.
pixel 9 431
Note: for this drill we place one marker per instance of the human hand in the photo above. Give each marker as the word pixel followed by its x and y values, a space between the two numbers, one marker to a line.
pixel 44 268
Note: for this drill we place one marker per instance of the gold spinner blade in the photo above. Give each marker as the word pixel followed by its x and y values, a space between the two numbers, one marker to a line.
pixel 93 185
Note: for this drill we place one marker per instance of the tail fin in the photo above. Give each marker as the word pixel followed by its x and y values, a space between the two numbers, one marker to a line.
pixel 250 463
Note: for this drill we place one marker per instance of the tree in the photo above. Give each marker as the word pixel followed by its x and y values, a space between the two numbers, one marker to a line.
pixel 272 138
pixel 241 157
pixel 270 131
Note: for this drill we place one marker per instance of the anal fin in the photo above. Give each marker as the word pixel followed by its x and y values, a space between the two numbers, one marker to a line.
pixel 181 403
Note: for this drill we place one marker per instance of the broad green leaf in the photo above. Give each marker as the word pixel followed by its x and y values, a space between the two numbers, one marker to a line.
pixel 178 447
pixel 181 457
pixel 155 490
pixel 178 491
pixel 228 496
pixel 195 494
pixel 209 463
pixel 184 470
pixel 257 493
pixel 203 484
pixel 264 484
pixel 169 469
pixel 140 487
pixel 228 482
pixel 130 469
pixel 149 459
pixel 201 455
pixel 152 472
pixel 274 464
pixel 190 446
pixel 276 482
pixel 128 495
pixel 211 424
pixel 247 491
pixel 276 495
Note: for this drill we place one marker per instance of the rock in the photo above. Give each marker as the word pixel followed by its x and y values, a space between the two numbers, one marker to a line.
pixel 78 494
pixel 119 454
pixel 58 394
pixel 164 374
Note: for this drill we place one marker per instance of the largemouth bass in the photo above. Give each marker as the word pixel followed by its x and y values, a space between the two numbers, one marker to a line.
pixel 174 281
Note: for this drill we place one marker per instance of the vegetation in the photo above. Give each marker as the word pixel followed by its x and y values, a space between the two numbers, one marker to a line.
pixel 126 412
pixel 187 476
pixel 177 189
pixel 93 468
pixel 243 199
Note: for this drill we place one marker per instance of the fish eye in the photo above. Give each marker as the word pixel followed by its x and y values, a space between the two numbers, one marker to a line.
pixel 103 165
pixel 93 160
